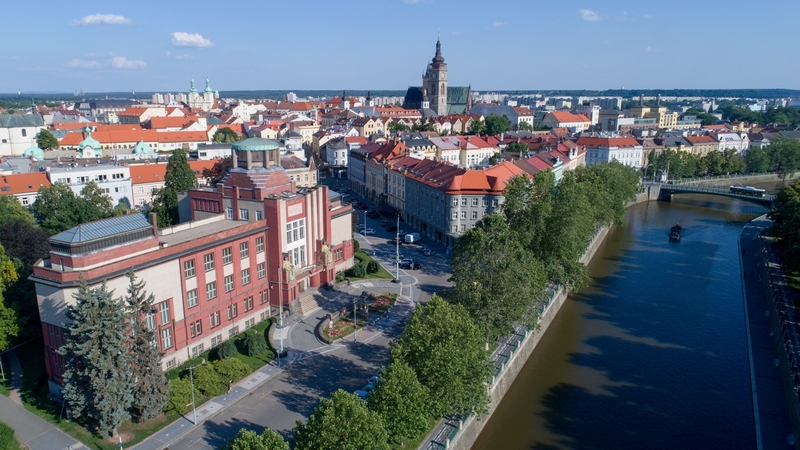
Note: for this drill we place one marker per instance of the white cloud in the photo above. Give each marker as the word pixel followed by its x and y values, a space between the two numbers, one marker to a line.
pixel 83 64
pixel 410 2
pixel 121 62
pixel 455 33
pixel 588 14
pixel 183 56
pixel 650 49
pixel 499 24
pixel 182 39
pixel 104 19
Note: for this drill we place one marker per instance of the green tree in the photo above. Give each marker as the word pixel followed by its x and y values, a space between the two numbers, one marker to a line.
pixel 11 209
pixel 97 382
pixel 341 422
pixel 496 124
pixel 209 382
pixel 93 204
pixel 733 162
pixel 785 154
pixel 179 178
pixel 250 440
pixel 54 208
pixel 45 140
pixel 255 344
pixel 397 127
pixel 9 324
pixel 225 135
pixel 713 163
pixel 757 160
pixel 479 127
pixel 218 171
pixel 496 279
pixel 517 147
pixel 180 395
pixel 445 349
pixel 524 126
pixel 401 400
pixel 150 386
pixel 786 218
pixel 423 125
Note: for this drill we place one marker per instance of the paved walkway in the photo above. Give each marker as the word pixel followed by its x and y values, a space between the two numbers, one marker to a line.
pixel 769 404
pixel 30 429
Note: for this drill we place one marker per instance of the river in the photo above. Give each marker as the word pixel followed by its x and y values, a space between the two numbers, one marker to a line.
pixel 653 353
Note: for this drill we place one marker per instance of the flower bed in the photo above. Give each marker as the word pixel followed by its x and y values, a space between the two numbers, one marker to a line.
pixel 341 328
pixel 382 302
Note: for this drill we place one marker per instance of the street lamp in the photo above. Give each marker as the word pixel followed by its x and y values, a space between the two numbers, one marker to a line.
pixel 191 380
pixel 654 172
pixel 397 251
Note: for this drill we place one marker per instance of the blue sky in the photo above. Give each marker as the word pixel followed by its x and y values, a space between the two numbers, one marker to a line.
pixel 145 45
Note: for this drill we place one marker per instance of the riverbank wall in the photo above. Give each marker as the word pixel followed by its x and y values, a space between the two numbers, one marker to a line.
pixel 468 431
pixel 738 180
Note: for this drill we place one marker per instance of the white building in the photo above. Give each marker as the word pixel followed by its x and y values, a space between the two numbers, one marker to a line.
pixel 625 150
pixel 737 141
pixel 18 132
pixel 114 181
pixel 336 152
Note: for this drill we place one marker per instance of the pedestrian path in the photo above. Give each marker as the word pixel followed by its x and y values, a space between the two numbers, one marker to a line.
pixel 30 429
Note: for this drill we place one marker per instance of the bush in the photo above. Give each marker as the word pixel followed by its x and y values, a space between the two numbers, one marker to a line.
pixel 373 267
pixel 227 349
pixel 231 369
pixel 356 245
pixel 255 344
pixel 358 271
pixel 180 395
pixel 208 381
pixel 340 277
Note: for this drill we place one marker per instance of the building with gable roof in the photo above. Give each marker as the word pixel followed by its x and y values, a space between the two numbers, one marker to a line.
pixel 18 132
pixel 23 186
pixel 625 150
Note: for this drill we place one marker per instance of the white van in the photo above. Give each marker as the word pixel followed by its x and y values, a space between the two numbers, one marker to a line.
pixel 412 237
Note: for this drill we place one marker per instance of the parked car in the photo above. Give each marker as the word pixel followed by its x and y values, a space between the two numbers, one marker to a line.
pixel 410 264
pixel 427 252
pixel 373 214
pixel 396 241
pixel 368 231
pixel 362 206
pixel 385 223
pixel 391 228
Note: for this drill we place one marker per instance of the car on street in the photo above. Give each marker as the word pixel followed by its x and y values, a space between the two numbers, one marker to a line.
pixel 373 214
pixel 427 252
pixel 362 206
pixel 395 241
pixel 410 264
pixel 385 223
pixel 368 231
pixel 391 228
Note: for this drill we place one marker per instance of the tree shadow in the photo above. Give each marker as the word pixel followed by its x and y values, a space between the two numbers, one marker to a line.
pixel 303 404
pixel 217 434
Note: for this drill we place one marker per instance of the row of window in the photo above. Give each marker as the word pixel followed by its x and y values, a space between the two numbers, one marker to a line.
pixel 474 202
pixel 227 257
pixel 464 215
pixel 244 214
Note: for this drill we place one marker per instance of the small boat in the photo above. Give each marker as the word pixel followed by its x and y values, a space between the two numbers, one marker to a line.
pixel 675 233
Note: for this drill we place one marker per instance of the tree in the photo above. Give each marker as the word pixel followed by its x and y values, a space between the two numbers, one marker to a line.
pixel 785 154
pixel 179 178
pixel 517 147
pixel 45 140
pixel 150 386
pixel 54 208
pixel 401 401
pixel 11 209
pixel 180 395
pixel 218 171
pixel 424 125
pixel 479 127
pixel 757 160
pixel 97 382
pixel 225 135
pixel 524 126
pixel 496 279
pixel 9 325
pixel 249 440
pixel 397 127
pixel 255 344
pixel 496 124
pixel 93 204
pixel 445 349
pixel 341 422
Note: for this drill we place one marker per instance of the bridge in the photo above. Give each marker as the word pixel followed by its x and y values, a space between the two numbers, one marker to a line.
pixel 664 192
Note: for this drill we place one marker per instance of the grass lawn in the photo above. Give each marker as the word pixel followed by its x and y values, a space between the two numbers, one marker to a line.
pixel 35 396
pixel 365 259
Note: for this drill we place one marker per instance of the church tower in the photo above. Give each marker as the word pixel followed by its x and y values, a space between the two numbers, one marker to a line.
pixel 435 81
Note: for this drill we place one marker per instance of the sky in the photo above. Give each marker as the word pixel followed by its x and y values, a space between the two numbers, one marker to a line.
pixel 101 46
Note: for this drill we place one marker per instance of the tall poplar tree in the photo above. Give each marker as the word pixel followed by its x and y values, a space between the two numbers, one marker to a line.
pixel 97 382
pixel 150 386
pixel 179 178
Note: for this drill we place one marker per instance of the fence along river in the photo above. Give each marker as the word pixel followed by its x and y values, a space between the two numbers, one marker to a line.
pixel 653 353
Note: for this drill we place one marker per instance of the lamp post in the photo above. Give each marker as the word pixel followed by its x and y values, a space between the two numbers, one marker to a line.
pixel 280 311
pixel 397 251
pixel 654 172
pixel 194 405
pixel 365 226
pixel 355 322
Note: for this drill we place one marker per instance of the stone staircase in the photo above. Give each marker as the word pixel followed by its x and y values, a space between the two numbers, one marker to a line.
pixel 309 303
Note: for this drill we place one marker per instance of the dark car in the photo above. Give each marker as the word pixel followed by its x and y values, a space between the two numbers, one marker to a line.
pixel 395 241
pixel 413 265
pixel 391 228
pixel 362 206
pixel 373 214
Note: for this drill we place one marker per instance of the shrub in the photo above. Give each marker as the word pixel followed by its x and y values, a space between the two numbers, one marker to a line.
pixel 373 267
pixel 231 369
pixel 227 349
pixel 340 277
pixel 357 271
pixel 180 395
pixel 208 381
pixel 356 245
pixel 255 344
pixel 7 439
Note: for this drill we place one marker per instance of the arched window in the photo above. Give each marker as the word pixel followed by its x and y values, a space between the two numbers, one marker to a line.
pixel 24 132
pixel 442 88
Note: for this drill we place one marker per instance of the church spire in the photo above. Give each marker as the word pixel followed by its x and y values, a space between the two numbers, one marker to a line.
pixel 438 58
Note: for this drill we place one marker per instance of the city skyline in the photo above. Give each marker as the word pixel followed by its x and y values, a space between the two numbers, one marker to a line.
pixel 361 45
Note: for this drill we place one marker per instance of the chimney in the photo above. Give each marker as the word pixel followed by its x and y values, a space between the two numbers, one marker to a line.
pixel 153 219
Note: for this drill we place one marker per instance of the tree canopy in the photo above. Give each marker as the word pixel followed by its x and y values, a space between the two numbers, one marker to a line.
pixel 250 440
pixel 178 179
pixel 57 208
pixel 445 350
pixel 397 127
pixel 97 381
pixel 218 171
pixel 45 140
pixel 402 402
pixel 11 209
pixel 496 124
pixel 9 325
pixel 341 422
pixel 225 135
pixel 786 217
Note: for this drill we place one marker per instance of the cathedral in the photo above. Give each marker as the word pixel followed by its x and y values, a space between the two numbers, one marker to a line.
pixel 435 96
pixel 204 101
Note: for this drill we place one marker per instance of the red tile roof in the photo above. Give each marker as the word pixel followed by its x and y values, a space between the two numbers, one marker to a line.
pixel 596 142
pixel 695 140
pixel 23 183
